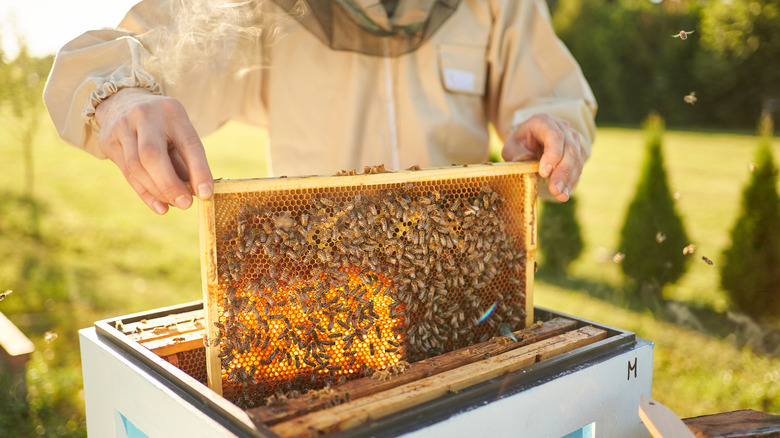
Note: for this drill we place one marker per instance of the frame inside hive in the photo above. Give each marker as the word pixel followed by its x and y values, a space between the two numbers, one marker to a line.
pixel 420 263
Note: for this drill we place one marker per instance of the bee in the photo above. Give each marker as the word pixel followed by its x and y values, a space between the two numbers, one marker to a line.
pixel 683 34
pixel 690 98
pixel 178 339
pixel 690 249
pixel 660 237
pixel 707 261
pixel 50 337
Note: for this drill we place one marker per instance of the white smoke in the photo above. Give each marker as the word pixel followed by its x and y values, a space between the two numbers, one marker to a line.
pixel 203 32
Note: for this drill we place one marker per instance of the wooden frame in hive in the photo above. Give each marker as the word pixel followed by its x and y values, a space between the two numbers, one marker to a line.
pixel 351 274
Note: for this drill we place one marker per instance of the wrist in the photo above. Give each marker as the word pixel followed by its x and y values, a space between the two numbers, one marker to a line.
pixel 104 108
pixel 141 84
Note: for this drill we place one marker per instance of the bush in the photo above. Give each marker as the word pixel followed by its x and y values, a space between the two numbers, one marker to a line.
pixel 560 238
pixel 653 235
pixel 750 271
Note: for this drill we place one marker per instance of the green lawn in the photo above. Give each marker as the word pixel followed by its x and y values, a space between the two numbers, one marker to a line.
pixel 87 249
pixel 694 374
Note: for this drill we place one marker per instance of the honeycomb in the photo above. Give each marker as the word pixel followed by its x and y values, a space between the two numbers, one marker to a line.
pixel 324 279
pixel 192 362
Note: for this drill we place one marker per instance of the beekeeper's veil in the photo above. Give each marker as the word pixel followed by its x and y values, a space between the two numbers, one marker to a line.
pixel 369 26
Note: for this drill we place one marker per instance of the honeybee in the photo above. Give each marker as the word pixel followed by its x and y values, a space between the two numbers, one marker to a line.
pixel 5 294
pixel 690 98
pixel 690 249
pixel 707 261
pixel 683 34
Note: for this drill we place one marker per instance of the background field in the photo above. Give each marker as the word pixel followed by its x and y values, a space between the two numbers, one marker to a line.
pixel 85 248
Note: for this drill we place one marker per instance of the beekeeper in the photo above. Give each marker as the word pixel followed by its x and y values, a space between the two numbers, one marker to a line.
pixel 338 84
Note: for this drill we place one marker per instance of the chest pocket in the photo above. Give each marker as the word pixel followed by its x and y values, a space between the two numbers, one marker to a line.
pixel 462 68
pixel 463 72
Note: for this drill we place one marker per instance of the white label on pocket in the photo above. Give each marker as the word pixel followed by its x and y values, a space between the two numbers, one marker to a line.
pixel 459 80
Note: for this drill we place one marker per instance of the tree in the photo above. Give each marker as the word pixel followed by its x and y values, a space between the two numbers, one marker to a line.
pixel 653 235
pixel 560 239
pixel 21 104
pixel 740 48
pixel 750 271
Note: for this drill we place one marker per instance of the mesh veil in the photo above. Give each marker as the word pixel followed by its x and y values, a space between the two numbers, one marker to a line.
pixel 343 25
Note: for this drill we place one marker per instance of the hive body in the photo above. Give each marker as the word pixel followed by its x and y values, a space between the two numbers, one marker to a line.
pixel 316 280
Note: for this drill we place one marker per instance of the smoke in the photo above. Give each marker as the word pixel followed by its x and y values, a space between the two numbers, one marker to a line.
pixel 213 33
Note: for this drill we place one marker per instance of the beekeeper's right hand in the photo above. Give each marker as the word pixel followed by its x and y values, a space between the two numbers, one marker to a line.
pixel 152 141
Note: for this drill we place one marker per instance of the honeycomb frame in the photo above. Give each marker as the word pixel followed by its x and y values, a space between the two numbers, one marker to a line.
pixel 503 195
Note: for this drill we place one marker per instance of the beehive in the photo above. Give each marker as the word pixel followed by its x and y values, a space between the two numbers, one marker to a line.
pixel 316 280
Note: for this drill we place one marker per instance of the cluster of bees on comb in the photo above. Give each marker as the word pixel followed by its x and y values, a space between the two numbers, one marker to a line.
pixel 345 285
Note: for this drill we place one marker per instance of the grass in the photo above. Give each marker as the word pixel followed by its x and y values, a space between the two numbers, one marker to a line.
pixel 699 369
pixel 85 248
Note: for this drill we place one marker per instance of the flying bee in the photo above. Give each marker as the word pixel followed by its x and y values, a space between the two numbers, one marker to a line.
pixel 690 98
pixel 690 249
pixel 683 34
pixel 50 337
pixel 707 261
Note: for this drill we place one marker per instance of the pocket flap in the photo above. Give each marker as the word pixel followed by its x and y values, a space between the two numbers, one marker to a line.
pixel 462 68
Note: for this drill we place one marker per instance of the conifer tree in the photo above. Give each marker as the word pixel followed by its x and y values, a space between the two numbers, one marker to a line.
pixel 750 272
pixel 653 235
pixel 560 238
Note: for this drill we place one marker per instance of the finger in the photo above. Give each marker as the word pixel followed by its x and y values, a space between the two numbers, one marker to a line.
pixel 566 175
pixel 115 154
pixel 186 141
pixel 153 155
pixel 545 133
pixel 136 169
pixel 521 145
pixel 553 137
pixel 149 199
pixel 518 150
pixel 179 165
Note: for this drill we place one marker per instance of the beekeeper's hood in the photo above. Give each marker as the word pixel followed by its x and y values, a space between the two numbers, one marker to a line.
pixel 365 26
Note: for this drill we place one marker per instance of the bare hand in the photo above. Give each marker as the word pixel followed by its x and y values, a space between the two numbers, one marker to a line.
pixel 556 145
pixel 151 140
